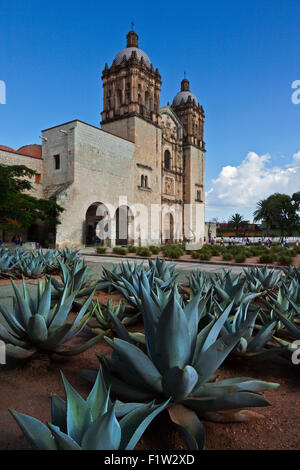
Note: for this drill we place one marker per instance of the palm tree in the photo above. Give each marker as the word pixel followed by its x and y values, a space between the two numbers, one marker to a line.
pixel 264 212
pixel 236 221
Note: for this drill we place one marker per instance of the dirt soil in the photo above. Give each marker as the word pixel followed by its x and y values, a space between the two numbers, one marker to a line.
pixel 27 388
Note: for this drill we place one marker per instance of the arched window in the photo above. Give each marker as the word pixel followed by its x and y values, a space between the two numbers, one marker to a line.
pixel 167 159
pixel 146 181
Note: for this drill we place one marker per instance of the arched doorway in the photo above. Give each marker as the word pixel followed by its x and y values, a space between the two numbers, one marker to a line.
pixel 168 233
pixel 95 233
pixel 124 226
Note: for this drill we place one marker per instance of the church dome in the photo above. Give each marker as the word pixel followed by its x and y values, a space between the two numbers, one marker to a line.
pixel 132 46
pixel 128 51
pixel 184 94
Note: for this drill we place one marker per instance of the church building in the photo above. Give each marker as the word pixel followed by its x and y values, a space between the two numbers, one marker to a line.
pixel 137 179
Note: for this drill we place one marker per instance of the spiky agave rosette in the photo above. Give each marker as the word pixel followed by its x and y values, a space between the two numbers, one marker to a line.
pixel 90 424
pixel 180 364
pixel 36 325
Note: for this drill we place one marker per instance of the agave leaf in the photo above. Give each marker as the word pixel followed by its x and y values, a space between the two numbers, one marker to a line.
pixel 98 399
pixel 262 337
pixel 179 383
pixel 37 433
pixel 64 441
pixel 215 330
pixel 22 307
pixel 83 311
pixel 150 314
pixel 177 349
pixel 208 362
pixel 28 297
pixel 119 327
pixel 103 434
pixel 62 313
pixel 123 409
pixel 292 329
pixel 201 337
pixel 138 337
pixel 45 302
pixel 189 426
pixel 229 401
pixel 222 293
pixel 239 384
pixel 79 414
pixel 7 337
pixel 191 313
pixel 13 323
pixel 19 353
pixel 139 362
pixel 65 351
pixel 37 329
pixel 134 424
pixel 59 413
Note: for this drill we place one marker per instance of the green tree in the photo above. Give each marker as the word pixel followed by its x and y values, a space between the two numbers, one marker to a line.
pixel 264 212
pixel 237 222
pixel 17 207
pixel 280 210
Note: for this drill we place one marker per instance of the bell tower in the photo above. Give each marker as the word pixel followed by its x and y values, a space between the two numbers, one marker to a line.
pixel 131 86
pixel 191 115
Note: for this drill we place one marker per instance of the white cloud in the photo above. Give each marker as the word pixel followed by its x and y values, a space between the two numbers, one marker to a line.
pixel 239 188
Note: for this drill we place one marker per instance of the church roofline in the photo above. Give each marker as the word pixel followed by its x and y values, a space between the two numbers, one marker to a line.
pixel 87 124
pixel 16 152
pixel 168 110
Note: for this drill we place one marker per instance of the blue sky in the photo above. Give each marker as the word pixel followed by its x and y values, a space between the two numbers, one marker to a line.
pixel 240 57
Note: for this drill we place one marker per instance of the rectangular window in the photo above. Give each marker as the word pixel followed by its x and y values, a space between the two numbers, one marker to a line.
pixel 57 162
pixel 37 178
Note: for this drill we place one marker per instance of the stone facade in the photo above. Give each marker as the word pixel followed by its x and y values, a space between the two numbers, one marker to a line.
pixel 145 165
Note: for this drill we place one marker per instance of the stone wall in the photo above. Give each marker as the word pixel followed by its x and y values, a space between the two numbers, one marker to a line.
pixel 10 158
pixel 102 170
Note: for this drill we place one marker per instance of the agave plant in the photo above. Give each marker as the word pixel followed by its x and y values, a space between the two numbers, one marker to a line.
pixel 250 345
pixel 292 290
pixel 262 279
pixel 199 281
pixel 290 320
pixel 51 258
pixel 180 364
pixel 229 289
pixel 69 255
pixel 76 278
pixel 164 273
pixel 286 304
pixel 90 424
pixel 31 265
pixel 126 279
pixel 7 263
pixel 35 325
pixel 106 316
pixel 292 273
